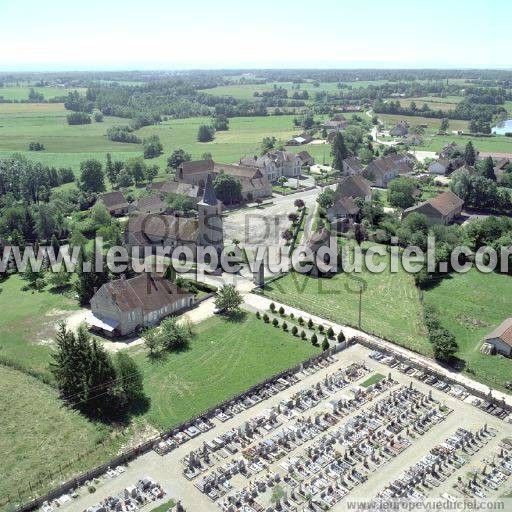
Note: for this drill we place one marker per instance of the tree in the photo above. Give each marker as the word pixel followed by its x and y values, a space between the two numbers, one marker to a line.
pixel 227 188
pixel 295 330
pixel 151 173
pixel 91 176
pixel 272 307
pixel 84 372
pixel 258 315
pixel 287 235
pixel 88 279
pixel 281 310
pixel 299 204
pixel 488 170
pixel 78 118
pixel 443 128
pixel 136 168
pixel 314 340
pixel 401 192
pixel 98 116
pixel 205 133
pixel 59 279
pixel 339 151
pixel 100 216
pixel 266 318
pixel 177 157
pixel 293 217
pixel 302 335
pixel 129 380
pixel 469 154
pixel 359 233
pixel 330 333
pixel 325 344
pixel 275 322
pixel 444 344
pixel 152 147
pixel 267 144
pixel 285 326
pixel 310 324
pixel 110 170
pixel 124 179
pixel 228 298
pixel 326 198
pixel 221 123
pixel 174 335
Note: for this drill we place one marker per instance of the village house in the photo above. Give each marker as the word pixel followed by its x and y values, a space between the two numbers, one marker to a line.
pixel 343 208
pixel 125 306
pixel 164 188
pixel 442 209
pixel 316 241
pixel 354 186
pixel 194 172
pixel 386 168
pixel 151 204
pixel 453 150
pixel 352 165
pixel 306 159
pixel 501 338
pixel 336 124
pixel 274 164
pixel 501 167
pixel 254 184
pixel 115 203
pixel 401 129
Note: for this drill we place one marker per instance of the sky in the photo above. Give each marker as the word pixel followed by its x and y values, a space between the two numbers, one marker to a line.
pixel 213 34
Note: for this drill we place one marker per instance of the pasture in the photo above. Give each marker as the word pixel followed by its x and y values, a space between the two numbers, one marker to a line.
pixel 390 303
pixel 13 93
pixel 471 305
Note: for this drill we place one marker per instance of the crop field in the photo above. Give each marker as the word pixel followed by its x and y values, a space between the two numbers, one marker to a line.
pixel 21 93
pixel 471 306
pixel 448 103
pixel 390 303
pixel 497 144
pixel 433 124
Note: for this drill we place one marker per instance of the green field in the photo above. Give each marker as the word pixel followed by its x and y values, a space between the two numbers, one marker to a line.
pixel 226 358
pixel 432 124
pixel 39 435
pixel 497 144
pixel 12 93
pixel 27 320
pixel 390 304
pixel 471 305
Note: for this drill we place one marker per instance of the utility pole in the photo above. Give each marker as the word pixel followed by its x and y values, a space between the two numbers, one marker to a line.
pixel 360 303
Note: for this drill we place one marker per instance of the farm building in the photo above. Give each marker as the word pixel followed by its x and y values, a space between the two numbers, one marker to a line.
pixel 352 165
pixel 150 204
pixel 442 209
pixel 274 164
pixel 354 186
pixel 123 306
pixel 115 203
pixel 501 338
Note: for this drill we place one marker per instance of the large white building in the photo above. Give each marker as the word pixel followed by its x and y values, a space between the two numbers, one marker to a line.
pixel 275 164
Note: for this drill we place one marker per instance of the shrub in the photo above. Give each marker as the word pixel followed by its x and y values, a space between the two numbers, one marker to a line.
pixel 320 328
pixel 303 335
pixel 314 340
pixel 258 316
pixel 310 323
pixel 275 322
pixel 325 343
pixel 301 320
pixel 341 337
pixel 285 326
pixel 79 118
pixel 295 330
pixel 266 318
pixel 292 316
pixel 272 307
pixel 330 333
pixel 281 311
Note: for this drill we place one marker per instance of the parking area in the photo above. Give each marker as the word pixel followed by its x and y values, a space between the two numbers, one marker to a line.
pixel 356 426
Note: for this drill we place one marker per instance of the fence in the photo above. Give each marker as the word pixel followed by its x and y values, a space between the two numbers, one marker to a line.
pixel 143 448
pixel 373 345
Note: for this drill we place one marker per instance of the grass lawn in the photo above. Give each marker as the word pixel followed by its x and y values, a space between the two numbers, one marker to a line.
pixel 471 306
pixel 27 318
pixel 376 377
pixel 225 358
pixel 164 507
pixel 432 123
pixel 498 144
pixel 390 303
pixel 39 434
pixel 13 93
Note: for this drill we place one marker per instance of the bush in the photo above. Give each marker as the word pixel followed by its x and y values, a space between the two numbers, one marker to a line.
pixel 258 316
pixel 266 318
pixel 325 344
pixel 330 333
pixel 281 311
pixel 303 335
pixel 314 340
pixel 285 326
pixel 295 330
pixel 341 337
pixel 79 118
pixel 275 322
pixel 205 133
pixel 36 146
pixel 122 134
pixel 310 323
pixel 301 320
pixel 292 316
pixel 320 328
pixel 272 307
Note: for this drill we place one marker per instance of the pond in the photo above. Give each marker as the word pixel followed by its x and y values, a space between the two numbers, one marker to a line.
pixel 503 127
